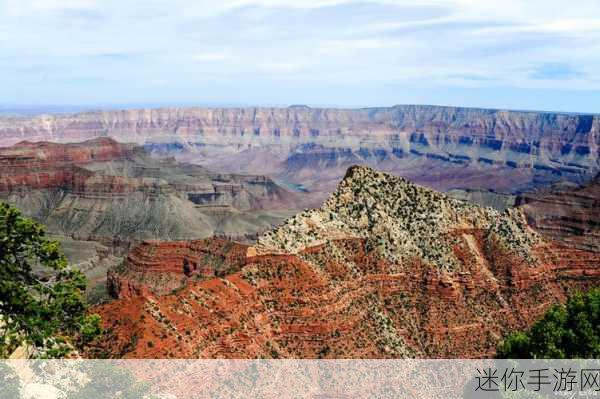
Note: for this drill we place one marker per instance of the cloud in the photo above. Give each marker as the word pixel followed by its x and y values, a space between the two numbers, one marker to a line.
pixel 24 8
pixel 212 56
pixel 215 48
pixel 556 71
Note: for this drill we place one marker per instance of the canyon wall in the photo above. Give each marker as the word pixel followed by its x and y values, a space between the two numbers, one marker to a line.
pixel 101 189
pixel 526 147
pixel 566 212
pixel 384 269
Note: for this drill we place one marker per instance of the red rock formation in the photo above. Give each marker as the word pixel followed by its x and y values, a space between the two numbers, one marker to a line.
pixel 307 145
pixel 30 154
pixel 317 305
pixel 50 165
pixel 46 165
pixel 566 212
pixel 70 177
pixel 383 269
pixel 160 267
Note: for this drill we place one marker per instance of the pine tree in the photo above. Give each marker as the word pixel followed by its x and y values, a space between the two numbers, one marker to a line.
pixel 42 302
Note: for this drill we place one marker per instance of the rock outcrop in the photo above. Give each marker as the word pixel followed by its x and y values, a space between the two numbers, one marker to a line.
pixel 385 269
pixel 103 189
pixel 161 267
pixel 399 219
pixel 46 165
pixel 566 212
pixel 459 147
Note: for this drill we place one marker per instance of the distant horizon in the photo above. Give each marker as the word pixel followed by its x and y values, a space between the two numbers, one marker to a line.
pixel 21 110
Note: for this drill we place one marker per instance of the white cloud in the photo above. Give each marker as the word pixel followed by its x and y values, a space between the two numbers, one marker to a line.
pixel 212 56
pixel 23 8
pixel 417 43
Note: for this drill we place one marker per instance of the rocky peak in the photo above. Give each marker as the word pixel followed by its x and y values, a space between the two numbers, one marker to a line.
pixel 400 220
pixel 384 269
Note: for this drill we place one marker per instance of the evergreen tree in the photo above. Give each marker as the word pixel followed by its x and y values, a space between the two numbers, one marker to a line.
pixel 42 301
pixel 565 332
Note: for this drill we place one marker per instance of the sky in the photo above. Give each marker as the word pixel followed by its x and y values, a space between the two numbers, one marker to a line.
pixel 515 54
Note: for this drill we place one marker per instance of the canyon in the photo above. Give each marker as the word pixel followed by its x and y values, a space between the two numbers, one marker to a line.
pixel 313 233
pixel 310 148
pixel 104 189
pixel 384 269
pixel 99 197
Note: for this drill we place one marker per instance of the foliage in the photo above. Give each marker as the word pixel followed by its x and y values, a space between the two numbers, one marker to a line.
pixel 41 298
pixel 565 332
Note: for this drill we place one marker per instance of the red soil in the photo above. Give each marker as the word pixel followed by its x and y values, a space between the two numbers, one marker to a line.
pixel 358 306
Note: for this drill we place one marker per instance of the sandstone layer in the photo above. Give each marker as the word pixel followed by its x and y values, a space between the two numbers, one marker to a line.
pixel 457 147
pixel 566 212
pixel 160 267
pixel 385 269
pixel 101 189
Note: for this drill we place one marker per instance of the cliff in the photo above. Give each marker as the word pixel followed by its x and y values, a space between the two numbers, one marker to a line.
pixel 417 275
pixel 50 165
pixel 566 212
pixel 521 147
pixel 160 267
pixel 100 189
pixel 483 125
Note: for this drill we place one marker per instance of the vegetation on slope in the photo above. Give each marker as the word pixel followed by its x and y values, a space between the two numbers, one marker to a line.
pixel 400 220
pixel 42 305
pixel 565 332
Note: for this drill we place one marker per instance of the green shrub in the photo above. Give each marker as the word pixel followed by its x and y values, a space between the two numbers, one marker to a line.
pixel 565 332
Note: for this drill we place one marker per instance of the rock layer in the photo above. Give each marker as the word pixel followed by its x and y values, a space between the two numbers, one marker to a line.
pixel 160 267
pixel 46 165
pixel 460 278
pixel 103 189
pixel 566 212
pixel 459 147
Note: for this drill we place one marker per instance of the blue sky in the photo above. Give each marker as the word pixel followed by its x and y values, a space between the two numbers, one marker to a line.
pixel 520 54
